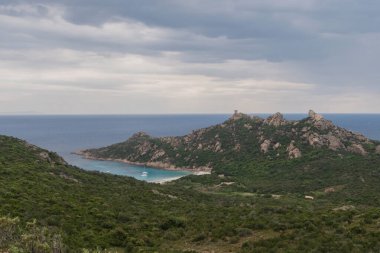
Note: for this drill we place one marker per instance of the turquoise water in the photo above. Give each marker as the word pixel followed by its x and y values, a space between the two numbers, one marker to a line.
pixel 65 134
pixel 139 172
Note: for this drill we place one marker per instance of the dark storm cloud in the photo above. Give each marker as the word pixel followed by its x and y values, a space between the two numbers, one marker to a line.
pixel 271 30
pixel 239 19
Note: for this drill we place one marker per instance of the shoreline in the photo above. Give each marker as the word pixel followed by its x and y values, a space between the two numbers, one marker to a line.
pixel 155 165
pixel 166 180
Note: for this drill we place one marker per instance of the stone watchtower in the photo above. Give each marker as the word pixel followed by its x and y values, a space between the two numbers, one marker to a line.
pixel 236 115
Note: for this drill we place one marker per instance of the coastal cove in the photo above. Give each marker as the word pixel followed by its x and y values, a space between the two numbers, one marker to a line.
pixel 140 172
pixel 67 134
pixel 151 172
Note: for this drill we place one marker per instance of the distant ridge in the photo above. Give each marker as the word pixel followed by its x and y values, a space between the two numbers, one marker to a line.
pixel 241 136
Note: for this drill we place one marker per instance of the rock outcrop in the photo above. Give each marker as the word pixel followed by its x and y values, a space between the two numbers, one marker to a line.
pixel 357 148
pixel 319 121
pixel 276 120
pixel 333 142
pixel 315 116
pixel 323 133
pixel 277 146
pixel 265 146
pixel 293 151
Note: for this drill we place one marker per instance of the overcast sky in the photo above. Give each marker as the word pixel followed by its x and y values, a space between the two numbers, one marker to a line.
pixel 189 56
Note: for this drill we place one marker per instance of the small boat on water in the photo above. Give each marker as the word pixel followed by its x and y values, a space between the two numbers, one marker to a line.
pixel 144 174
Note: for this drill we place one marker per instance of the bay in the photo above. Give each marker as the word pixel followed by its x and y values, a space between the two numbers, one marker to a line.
pixel 65 134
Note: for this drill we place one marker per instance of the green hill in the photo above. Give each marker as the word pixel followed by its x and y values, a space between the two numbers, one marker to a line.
pixel 240 138
pixel 258 198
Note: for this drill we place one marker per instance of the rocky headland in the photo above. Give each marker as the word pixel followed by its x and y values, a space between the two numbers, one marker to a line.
pixel 240 137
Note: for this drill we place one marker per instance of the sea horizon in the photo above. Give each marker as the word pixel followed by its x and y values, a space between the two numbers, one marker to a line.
pixel 65 134
pixel 184 114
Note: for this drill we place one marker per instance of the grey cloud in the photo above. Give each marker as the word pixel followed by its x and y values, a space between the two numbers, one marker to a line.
pixel 330 44
pixel 230 30
pixel 237 19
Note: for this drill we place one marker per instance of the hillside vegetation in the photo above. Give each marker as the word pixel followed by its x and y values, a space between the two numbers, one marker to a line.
pixel 240 138
pixel 259 198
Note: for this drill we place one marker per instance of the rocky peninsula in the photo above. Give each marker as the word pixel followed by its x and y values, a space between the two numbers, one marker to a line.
pixel 240 137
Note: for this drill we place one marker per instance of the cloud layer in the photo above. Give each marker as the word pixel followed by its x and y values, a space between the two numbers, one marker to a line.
pixel 189 56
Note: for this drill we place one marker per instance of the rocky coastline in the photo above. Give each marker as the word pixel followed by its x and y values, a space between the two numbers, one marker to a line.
pixel 202 170
pixel 240 137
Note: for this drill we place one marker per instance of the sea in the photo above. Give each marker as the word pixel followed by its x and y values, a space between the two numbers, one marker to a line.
pixel 65 134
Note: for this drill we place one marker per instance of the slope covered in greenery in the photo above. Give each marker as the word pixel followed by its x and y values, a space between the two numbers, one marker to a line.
pixel 240 138
pixel 92 210
pixel 248 204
